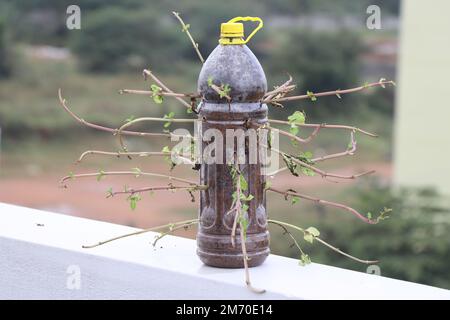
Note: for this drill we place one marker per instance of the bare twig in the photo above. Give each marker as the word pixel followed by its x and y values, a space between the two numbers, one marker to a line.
pixel 349 152
pixel 169 225
pixel 144 119
pixel 173 229
pixel 186 29
pixel 324 125
pixel 280 90
pixel 220 91
pixel 103 128
pixel 324 174
pixel 296 138
pixel 245 258
pixel 158 188
pixel 126 173
pixel 324 202
pixel 332 93
pixel 284 225
pixel 128 154
pixel 147 72
pixel 163 93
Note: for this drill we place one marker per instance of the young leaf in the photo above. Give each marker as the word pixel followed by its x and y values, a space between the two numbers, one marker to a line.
pixel 243 222
pixel 267 185
pixel 294 199
pixel 313 231
pixel 304 259
pixel 297 117
pixel 311 95
pixel 137 172
pixel 244 184
pixel 100 175
pixel 210 81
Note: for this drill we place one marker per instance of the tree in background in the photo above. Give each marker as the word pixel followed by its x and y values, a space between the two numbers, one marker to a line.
pixel 5 66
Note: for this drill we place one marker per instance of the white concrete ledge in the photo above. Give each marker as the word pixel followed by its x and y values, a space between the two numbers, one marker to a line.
pixel 41 254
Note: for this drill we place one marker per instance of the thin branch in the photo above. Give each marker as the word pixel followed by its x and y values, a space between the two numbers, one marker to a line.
pixel 324 174
pixel 296 138
pixel 282 89
pixel 172 230
pixel 128 154
pixel 158 188
pixel 245 258
pixel 169 225
pixel 103 128
pixel 126 173
pixel 147 72
pixel 284 225
pixel 220 91
pixel 324 125
pixel 144 119
pixel 332 93
pixel 324 202
pixel 349 152
pixel 186 29
pixel 163 93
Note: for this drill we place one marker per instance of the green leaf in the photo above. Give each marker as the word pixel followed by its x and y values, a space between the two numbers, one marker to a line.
pixel 291 165
pixel 166 149
pixel 313 231
pixel 243 222
pixel 308 172
pixel 158 99
pixel 109 192
pixel 304 259
pixel 137 172
pixel 186 27
pixel 100 175
pixel 246 198
pixel 311 95
pixel 210 81
pixel 71 175
pixel 369 215
pixel 243 182
pixel 168 116
pixel 294 199
pixel 381 82
pixel 306 154
pixel 308 237
pixel 294 129
pixel 134 198
pixel 267 185
pixel 297 117
pixel 129 119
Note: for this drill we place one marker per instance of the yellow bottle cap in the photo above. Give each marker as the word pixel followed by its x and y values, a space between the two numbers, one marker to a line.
pixel 232 32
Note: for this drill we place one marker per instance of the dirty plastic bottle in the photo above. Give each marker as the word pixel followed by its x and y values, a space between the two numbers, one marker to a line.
pixel 234 65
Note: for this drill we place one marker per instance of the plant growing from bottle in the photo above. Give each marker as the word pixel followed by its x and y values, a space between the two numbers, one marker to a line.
pixel 224 105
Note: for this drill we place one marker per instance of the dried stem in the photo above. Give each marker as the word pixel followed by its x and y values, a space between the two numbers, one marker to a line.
pixel 158 188
pixel 220 91
pixel 296 138
pixel 324 174
pixel 118 154
pixel 173 229
pixel 163 93
pixel 284 225
pixel 324 202
pixel 169 225
pixel 280 90
pixel 103 128
pixel 147 72
pixel 349 152
pixel 324 125
pixel 144 119
pixel 186 29
pixel 331 93
pixel 127 173
pixel 245 258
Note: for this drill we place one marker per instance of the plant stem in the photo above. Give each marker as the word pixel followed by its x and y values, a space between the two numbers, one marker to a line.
pixel 285 224
pixel 169 225
pixel 186 29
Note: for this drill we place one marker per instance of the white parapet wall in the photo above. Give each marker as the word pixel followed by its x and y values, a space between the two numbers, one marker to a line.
pixel 41 258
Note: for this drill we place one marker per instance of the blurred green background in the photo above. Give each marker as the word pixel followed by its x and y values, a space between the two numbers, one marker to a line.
pixel 324 45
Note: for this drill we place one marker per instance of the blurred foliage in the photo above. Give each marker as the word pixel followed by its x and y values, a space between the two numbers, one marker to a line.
pixel 320 61
pixel 412 245
pixel 5 56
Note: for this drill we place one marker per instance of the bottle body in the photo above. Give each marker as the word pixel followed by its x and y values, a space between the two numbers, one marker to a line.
pixel 237 67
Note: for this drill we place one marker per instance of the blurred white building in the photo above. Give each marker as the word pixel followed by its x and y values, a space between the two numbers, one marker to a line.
pixel 422 136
